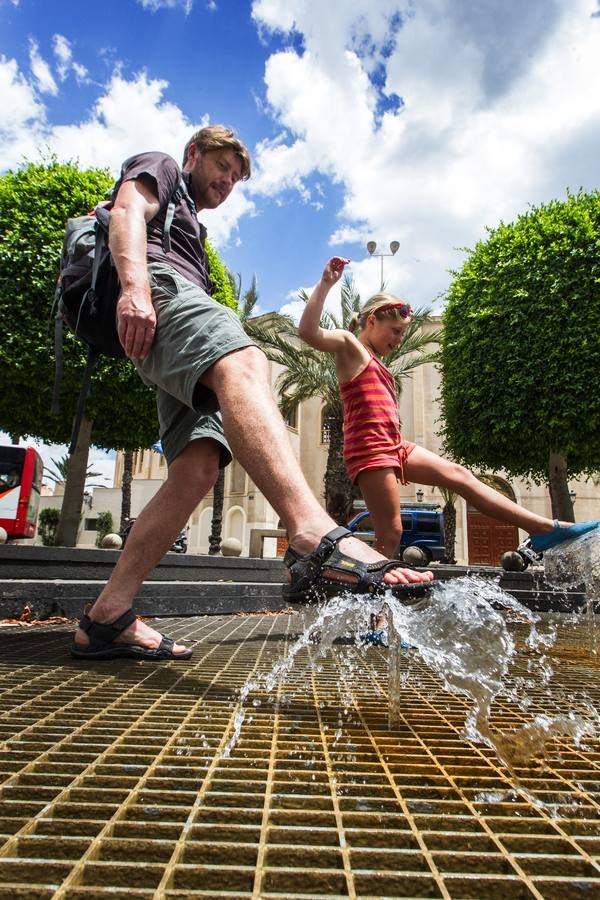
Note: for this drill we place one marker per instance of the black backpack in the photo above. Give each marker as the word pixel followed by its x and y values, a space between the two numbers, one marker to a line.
pixel 88 289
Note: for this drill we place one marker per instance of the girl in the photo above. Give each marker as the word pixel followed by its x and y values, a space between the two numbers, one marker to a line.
pixel 376 455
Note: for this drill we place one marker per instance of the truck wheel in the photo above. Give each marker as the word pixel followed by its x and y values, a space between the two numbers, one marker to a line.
pixel 416 556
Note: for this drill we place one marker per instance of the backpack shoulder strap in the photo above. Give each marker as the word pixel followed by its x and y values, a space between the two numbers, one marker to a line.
pixel 180 193
pixel 84 393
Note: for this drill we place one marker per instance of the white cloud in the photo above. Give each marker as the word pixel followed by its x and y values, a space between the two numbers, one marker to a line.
pixel 294 306
pixel 65 62
pixel 63 53
pixel 41 70
pixel 153 5
pixel 81 73
pixel 499 109
pixel 222 223
pixel 21 115
pixel 129 116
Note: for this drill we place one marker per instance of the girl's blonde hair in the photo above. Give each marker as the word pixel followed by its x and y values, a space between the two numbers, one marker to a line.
pixel 382 306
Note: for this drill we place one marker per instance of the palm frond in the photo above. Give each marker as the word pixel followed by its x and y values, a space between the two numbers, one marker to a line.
pixel 350 301
pixel 249 300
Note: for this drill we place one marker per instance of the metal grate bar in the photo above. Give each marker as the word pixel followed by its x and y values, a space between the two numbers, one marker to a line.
pixel 115 778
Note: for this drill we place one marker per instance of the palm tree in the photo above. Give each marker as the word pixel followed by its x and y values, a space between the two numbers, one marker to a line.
pixel 126 489
pixel 58 474
pixel 309 373
pixel 449 524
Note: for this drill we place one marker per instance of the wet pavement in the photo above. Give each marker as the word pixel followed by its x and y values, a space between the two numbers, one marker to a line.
pixel 124 779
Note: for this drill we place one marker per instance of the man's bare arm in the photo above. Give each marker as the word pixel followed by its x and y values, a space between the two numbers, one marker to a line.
pixel 135 205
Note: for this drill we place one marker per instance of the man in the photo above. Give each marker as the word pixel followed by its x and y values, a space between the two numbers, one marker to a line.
pixel 213 397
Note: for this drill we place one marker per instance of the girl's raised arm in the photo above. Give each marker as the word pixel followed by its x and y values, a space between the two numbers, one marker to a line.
pixel 309 327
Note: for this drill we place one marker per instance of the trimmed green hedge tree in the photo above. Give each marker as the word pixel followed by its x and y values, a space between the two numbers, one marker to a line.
pixel 520 351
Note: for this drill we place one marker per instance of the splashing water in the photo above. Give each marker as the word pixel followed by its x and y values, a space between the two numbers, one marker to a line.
pixel 461 632
pixel 576 564
pixel 463 636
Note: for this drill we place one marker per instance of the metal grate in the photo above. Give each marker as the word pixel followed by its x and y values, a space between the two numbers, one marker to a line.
pixel 113 781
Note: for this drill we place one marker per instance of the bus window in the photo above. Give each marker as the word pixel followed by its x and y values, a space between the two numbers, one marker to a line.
pixel 21 471
pixel 11 466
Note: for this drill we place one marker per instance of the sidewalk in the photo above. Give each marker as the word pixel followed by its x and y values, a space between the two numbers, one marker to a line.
pixel 113 781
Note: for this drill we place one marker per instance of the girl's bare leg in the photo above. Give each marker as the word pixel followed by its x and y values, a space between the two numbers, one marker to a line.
pixel 425 467
pixel 379 488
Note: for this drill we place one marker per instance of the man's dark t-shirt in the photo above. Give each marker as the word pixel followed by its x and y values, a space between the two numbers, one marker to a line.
pixel 187 254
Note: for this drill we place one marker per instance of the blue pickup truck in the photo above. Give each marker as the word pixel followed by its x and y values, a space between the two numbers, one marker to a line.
pixel 422 527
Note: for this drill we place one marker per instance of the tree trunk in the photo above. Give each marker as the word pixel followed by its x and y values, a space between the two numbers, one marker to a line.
pixel 126 489
pixel 562 505
pixel 338 487
pixel 70 515
pixel 450 532
pixel 216 527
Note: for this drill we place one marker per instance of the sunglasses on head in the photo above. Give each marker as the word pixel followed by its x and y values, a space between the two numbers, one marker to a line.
pixel 403 308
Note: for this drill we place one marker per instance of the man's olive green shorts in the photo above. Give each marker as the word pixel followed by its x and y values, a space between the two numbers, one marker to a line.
pixel 193 331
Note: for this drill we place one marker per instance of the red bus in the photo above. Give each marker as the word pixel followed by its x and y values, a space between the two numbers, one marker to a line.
pixel 21 470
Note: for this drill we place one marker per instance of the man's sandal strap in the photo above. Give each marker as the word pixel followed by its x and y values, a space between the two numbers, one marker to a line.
pixel 106 632
pixel 330 541
pixel 326 545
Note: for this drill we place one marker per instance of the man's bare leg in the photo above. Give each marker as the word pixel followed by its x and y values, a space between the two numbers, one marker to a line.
pixel 191 475
pixel 258 438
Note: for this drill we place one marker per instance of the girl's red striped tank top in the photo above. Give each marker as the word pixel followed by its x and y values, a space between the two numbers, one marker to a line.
pixel 371 424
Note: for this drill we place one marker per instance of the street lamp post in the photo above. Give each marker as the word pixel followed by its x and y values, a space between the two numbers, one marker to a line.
pixel 372 247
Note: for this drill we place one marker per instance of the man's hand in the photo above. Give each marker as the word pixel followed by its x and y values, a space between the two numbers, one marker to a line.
pixel 333 270
pixel 136 323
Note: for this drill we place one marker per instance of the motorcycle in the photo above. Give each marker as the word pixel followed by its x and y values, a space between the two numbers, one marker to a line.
pixel 179 545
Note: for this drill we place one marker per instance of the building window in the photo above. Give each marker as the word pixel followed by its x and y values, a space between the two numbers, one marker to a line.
pixel 90 524
pixel 238 478
pixel 291 419
pixel 326 423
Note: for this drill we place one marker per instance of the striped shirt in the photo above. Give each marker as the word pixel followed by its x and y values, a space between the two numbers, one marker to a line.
pixel 372 438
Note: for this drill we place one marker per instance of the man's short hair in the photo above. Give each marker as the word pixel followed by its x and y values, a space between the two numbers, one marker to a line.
pixel 219 137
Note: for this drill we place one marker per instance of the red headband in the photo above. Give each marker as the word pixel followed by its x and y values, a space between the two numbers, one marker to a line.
pixel 404 308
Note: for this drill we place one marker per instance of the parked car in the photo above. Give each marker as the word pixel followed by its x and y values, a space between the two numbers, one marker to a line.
pixel 422 528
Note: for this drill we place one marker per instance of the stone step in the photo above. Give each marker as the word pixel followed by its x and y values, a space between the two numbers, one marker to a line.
pixel 156 598
pixel 66 563
pixel 60 581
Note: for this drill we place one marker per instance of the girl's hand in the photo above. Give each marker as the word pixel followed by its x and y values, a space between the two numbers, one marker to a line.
pixel 334 269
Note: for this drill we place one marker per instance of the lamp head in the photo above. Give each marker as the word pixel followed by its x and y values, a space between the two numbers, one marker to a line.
pixel 394 246
pixel 371 247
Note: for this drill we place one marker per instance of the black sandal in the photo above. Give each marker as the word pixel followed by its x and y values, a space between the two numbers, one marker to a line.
pixel 308 582
pixel 102 642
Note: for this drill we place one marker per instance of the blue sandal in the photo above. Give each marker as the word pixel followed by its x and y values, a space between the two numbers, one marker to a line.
pixel 560 533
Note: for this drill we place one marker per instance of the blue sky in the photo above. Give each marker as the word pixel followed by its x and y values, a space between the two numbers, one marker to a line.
pixel 422 121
